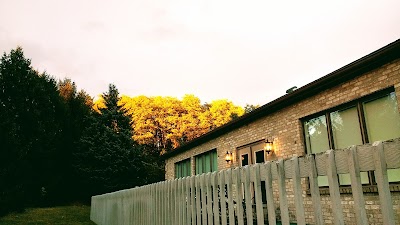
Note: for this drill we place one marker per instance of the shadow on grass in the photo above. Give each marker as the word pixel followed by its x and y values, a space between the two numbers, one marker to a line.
pixel 68 215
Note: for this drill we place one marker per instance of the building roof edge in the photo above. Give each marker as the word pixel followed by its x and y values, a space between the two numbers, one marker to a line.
pixel 367 63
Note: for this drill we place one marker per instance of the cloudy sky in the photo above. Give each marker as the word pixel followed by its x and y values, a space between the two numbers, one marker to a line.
pixel 245 51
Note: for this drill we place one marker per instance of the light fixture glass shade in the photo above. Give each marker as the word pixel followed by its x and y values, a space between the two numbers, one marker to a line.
pixel 269 145
pixel 228 157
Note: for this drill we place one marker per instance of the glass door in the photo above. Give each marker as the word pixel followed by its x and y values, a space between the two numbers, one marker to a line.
pixel 260 157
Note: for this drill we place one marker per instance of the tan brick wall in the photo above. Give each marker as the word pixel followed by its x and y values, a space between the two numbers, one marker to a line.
pixel 284 126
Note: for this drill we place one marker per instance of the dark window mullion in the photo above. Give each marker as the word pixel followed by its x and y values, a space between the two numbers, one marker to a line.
pixel 364 135
pixel 330 132
pixel 210 155
pixel 204 163
pixel 363 124
pixel 250 156
pixel 211 161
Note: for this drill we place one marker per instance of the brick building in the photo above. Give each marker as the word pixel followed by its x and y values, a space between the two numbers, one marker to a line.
pixel 354 105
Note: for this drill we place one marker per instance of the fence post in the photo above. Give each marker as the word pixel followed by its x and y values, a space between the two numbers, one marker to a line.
pixel 178 201
pixel 209 198
pixel 229 181
pixel 170 205
pixel 258 195
pixel 383 184
pixel 239 194
pixel 298 192
pixel 188 201
pixel 280 167
pixel 193 199
pixel 247 194
pixel 222 196
pixel 270 194
pixel 203 199
pixel 198 200
pixel 314 189
pixel 334 189
pixel 214 183
pixel 356 186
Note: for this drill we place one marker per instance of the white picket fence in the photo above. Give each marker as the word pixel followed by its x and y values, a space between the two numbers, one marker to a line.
pixel 202 200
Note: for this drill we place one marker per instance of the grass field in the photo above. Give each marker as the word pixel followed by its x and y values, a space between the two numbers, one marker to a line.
pixel 67 215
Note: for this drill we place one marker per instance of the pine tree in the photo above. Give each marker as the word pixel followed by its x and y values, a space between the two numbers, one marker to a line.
pixel 107 158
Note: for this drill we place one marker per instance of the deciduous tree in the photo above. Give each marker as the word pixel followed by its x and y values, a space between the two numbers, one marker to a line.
pixel 166 123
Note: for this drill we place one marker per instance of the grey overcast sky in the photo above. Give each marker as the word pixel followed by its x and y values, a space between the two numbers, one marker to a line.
pixel 245 51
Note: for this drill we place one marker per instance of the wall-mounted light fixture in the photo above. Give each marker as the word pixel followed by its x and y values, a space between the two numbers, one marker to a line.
pixel 228 157
pixel 269 146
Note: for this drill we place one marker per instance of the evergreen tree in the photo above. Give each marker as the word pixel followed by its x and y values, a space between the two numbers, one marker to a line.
pixel 77 107
pixel 30 130
pixel 107 158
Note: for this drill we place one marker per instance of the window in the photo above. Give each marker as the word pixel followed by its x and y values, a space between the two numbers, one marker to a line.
pixel 183 169
pixel 206 162
pixel 366 120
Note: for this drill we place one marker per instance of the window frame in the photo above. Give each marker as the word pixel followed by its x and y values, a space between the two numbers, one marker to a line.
pixel 358 104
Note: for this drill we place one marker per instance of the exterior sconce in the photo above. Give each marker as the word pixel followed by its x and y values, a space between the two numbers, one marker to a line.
pixel 269 146
pixel 228 157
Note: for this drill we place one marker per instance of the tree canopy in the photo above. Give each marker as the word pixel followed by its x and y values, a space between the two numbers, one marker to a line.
pixel 166 122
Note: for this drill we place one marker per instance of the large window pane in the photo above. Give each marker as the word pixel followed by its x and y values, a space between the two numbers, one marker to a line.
pixel 346 132
pixel 260 158
pixel 382 118
pixel 346 128
pixel 177 172
pixel 316 134
pixel 182 168
pixel 383 123
pixel 206 162
pixel 245 160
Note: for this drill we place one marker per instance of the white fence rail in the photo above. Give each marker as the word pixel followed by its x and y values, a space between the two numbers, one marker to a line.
pixel 225 197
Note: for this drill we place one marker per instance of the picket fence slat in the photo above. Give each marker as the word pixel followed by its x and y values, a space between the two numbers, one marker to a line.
pixel 234 196
pixel 209 199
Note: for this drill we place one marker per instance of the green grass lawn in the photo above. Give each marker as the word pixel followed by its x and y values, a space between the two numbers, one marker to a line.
pixel 68 215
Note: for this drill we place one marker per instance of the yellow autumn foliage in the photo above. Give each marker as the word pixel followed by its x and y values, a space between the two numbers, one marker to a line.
pixel 168 122
pixel 99 104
